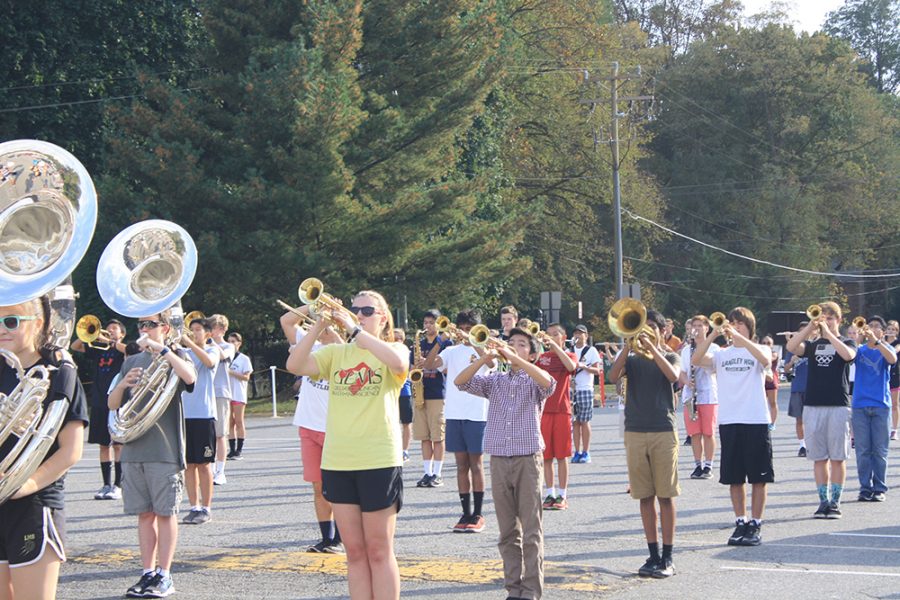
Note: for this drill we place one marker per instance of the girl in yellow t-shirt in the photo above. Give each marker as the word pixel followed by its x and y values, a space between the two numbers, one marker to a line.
pixel 362 458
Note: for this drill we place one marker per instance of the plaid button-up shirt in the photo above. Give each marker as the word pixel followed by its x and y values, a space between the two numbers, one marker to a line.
pixel 515 402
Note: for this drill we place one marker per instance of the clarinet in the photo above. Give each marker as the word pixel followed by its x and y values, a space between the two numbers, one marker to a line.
pixel 693 381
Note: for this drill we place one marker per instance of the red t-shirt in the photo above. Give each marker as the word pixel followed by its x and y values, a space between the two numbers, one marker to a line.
pixel 559 401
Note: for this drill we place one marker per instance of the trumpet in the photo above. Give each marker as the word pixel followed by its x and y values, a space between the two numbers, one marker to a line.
pixel 445 326
pixel 718 320
pixel 312 293
pixel 814 311
pixel 480 336
pixel 627 318
pixel 90 331
pixel 860 323
pixel 191 316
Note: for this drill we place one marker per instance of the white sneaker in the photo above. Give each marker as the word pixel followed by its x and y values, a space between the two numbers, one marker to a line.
pixel 219 479
pixel 114 493
pixel 102 492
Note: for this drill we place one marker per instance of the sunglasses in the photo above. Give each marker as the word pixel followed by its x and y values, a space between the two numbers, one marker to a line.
pixel 148 324
pixel 11 322
pixel 366 311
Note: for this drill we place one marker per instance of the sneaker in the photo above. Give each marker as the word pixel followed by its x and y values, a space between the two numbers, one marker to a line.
pixel 476 524
pixel 230 455
pixel 334 548
pixel 549 502
pixel 236 456
pixel 220 479
pixel 698 472
pixel 560 503
pixel 648 567
pixel 852 443
pixel 424 481
pixel 189 518
pixel 576 458
pixel 462 525
pixel 822 511
pixel 202 517
pixel 687 441
pixel 893 434
pixel 319 546
pixel 738 535
pixel 802 452
pixel 137 590
pixel 114 493
pixel 405 455
pixel 102 492
pixel 436 481
pixel 878 497
pixel 752 535
pixel 865 497
pixel 706 473
pixel 585 457
pixel 159 587
pixel 664 568
pixel 834 511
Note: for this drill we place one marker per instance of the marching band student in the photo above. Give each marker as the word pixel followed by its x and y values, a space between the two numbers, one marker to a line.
pixel 365 488
pixel 240 370
pixel 513 439
pixel 429 424
pixel 200 422
pixel 871 410
pixel 826 406
pixel 509 316
pixel 772 379
pixel 107 364
pixel 35 513
pixel 153 464
pixel 589 365
pixel 556 419
pixel 223 393
pixel 310 419
pixel 890 338
pixel 673 342
pixel 406 406
pixel 466 419
pixel 651 440
pixel 744 419
pixel 797 365
pixel 702 431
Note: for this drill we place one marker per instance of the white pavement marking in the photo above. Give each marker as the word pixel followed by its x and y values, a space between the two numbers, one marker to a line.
pixel 812 571
pixel 867 548
pixel 874 535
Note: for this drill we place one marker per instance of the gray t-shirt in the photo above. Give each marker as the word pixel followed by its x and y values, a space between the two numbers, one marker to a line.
pixel 223 380
pixel 164 442
pixel 201 402
pixel 649 396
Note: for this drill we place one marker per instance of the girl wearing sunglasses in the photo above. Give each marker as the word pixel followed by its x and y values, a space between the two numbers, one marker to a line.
pixel 362 457
pixel 35 512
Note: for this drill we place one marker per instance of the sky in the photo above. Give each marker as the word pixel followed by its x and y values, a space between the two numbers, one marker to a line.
pixel 809 15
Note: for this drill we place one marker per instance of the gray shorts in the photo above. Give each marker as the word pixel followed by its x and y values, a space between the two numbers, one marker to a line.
pixel 795 406
pixel 223 410
pixel 152 487
pixel 826 430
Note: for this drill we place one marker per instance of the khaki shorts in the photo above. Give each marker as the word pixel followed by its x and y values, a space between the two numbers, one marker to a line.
pixel 152 487
pixel 652 464
pixel 827 432
pixel 223 410
pixel 428 421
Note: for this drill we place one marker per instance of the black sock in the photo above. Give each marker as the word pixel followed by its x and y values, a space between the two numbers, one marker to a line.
pixel 667 551
pixel 479 502
pixel 118 474
pixel 466 501
pixel 337 534
pixel 240 445
pixel 231 443
pixel 105 470
pixel 654 550
pixel 326 527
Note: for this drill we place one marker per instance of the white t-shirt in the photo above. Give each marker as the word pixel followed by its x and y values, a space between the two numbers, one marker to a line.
pixel 240 364
pixel 741 382
pixel 707 388
pixel 201 402
pixel 584 380
pixel 312 402
pixel 223 379
pixel 458 404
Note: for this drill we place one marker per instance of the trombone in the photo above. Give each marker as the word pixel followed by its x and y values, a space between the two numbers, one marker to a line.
pixel 90 331
pixel 627 319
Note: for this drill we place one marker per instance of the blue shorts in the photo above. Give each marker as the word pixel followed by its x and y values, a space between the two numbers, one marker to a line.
pixel 406 410
pixel 465 436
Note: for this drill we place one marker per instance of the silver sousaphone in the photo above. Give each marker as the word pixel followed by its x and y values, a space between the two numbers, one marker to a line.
pixel 48 211
pixel 145 270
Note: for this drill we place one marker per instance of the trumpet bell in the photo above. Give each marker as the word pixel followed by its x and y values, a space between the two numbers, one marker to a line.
pixel 718 319
pixel 814 311
pixel 479 335
pixel 89 329
pixel 859 322
pixel 310 290
pixel 627 317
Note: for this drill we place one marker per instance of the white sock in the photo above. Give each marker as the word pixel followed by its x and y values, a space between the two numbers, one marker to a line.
pixel 195 507
pixel 438 465
pixel 708 463
pixel 562 492
pixel 802 443
pixel 148 571
pixel 427 466
pixel 551 491
pixel 163 572
pixel 206 509
pixel 220 468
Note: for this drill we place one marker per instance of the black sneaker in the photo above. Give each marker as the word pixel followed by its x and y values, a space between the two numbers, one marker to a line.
pixel 424 481
pixel 687 441
pixel 334 548
pixel 664 568
pixel 738 535
pixel 752 535
pixel 865 497
pixel 878 497
pixel 698 473
pixel 319 546
pixel 137 590
pixel 649 567
pixel 237 456
pixel 230 455
pixel 159 587
pixel 822 511
pixel 707 473
pixel 802 452
pixel 436 481
pixel 834 511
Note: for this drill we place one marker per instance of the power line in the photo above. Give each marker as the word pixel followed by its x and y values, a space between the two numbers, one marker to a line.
pixel 97 80
pixel 80 102
pixel 804 298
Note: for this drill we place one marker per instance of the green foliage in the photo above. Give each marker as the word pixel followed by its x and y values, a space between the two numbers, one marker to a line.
pixel 871 27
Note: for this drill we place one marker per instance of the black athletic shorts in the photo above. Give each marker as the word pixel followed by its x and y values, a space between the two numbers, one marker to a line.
pixel 27 527
pixel 406 415
pixel 746 454
pixel 371 489
pixel 199 441
pixel 98 428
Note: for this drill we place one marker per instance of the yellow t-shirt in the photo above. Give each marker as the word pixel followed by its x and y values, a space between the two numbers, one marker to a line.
pixel 363 426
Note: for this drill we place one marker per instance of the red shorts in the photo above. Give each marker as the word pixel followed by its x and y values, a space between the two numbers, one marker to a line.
pixel 707 419
pixel 311 444
pixel 556 429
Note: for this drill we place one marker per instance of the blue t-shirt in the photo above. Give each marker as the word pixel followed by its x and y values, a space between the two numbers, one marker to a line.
pixel 200 403
pixel 406 390
pixel 433 379
pixel 798 383
pixel 870 388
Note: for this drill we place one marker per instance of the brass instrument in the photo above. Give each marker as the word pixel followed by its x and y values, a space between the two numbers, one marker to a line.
pixel 693 381
pixel 145 270
pixel 718 320
pixel 48 211
pixel 445 326
pixel 627 318
pixel 311 292
pixel 306 322
pixel 416 374
pixel 89 330
pixel 814 312
pixel 188 318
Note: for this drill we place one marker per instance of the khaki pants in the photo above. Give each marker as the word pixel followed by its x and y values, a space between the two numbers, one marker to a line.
pixel 516 488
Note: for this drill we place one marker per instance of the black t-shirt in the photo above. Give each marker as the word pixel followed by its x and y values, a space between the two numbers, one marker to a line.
pixel 64 384
pixel 649 396
pixel 895 372
pixel 107 364
pixel 828 374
